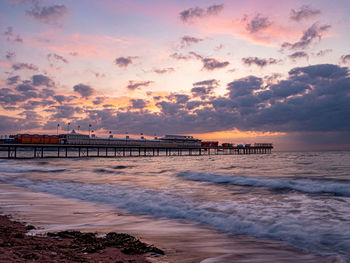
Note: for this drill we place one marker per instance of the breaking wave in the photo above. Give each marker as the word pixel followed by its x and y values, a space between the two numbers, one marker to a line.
pixel 232 216
pixel 334 187
pixel 9 168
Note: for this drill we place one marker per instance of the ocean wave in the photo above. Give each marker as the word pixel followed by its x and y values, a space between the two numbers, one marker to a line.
pixel 302 185
pixel 13 169
pixel 106 171
pixel 119 167
pixel 265 220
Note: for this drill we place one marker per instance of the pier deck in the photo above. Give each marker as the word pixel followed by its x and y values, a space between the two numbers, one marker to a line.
pixel 27 151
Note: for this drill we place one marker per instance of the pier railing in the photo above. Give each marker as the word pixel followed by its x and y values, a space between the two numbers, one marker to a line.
pixel 22 151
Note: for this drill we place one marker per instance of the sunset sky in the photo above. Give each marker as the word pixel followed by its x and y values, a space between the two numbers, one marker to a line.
pixel 234 71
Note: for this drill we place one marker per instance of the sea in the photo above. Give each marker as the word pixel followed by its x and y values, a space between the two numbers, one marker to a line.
pixel 278 207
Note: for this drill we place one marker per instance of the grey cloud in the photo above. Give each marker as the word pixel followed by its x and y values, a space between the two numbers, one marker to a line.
pixel 138 103
pixel 260 62
pixel 45 93
pixel 65 111
pixel 244 86
pixel 157 97
pixel 209 82
pixel 24 66
pixel 326 71
pixel 62 98
pixel 321 53
pixel 215 9
pixel 312 99
pixel 164 70
pixel 48 14
pixel 123 62
pixel 11 36
pixel 9 124
pixel 33 104
pixel 11 99
pixel 179 56
pixel 137 84
pixel 304 12
pixel 169 108
pixel 194 104
pixel 13 80
pixel 345 58
pixel 98 100
pixel 41 80
pixel 187 41
pixel 210 63
pixel 54 58
pixel 24 88
pixel 314 32
pixel 299 54
pixel 204 88
pixel 8 33
pixel 181 98
pixel 198 12
pixel 10 55
pixel 85 91
pixel 257 23
pixel 178 98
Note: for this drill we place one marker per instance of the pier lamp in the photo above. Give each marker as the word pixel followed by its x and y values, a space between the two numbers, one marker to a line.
pixel 68 127
pixel 89 129
pixel 58 125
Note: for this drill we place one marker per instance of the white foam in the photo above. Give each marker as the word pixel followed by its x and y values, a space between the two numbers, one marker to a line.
pixel 302 185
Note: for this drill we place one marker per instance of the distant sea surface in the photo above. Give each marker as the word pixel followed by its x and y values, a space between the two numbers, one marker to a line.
pixel 279 207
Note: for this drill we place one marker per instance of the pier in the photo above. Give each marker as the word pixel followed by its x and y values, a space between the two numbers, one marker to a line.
pixel 28 151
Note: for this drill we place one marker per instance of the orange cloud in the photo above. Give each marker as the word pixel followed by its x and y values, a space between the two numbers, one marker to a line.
pixel 236 134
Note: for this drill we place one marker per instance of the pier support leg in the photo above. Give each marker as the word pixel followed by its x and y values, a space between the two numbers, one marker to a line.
pixel 79 151
pixel 66 152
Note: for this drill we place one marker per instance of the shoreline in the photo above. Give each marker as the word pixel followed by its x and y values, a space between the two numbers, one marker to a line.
pixel 69 246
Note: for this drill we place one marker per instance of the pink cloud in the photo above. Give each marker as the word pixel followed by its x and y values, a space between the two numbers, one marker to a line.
pixel 273 35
